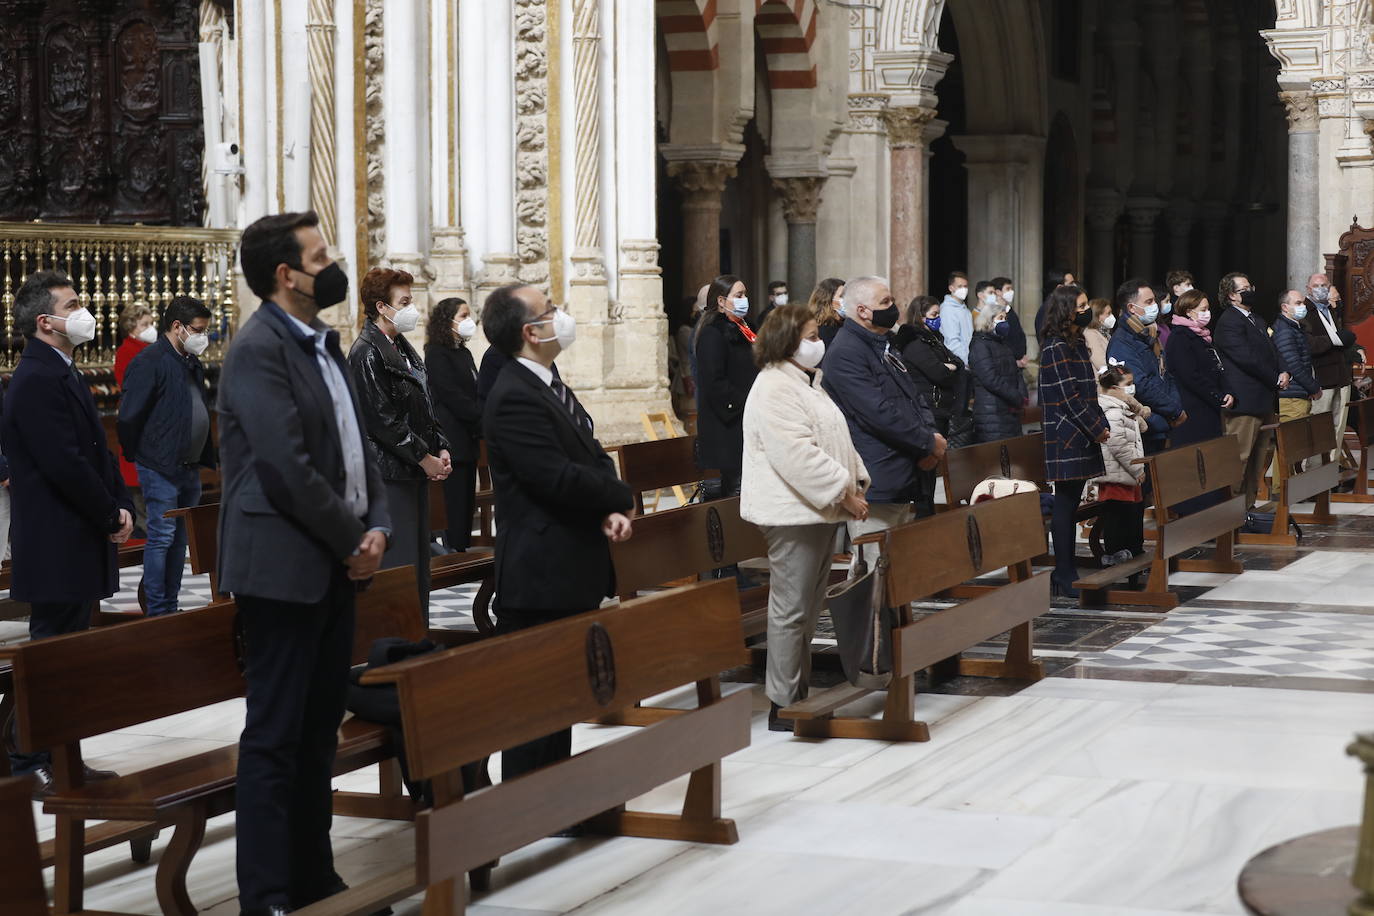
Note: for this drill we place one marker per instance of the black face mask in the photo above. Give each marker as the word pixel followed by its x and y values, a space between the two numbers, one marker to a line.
pixel 1083 319
pixel 885 318
pixel 331 286
pixel 1248 298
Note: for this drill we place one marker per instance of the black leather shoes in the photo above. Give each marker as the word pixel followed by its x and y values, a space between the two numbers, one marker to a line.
pixel 775 722
pixel 274 910
pixel 337 888
pixel 43 783
pixel 93 775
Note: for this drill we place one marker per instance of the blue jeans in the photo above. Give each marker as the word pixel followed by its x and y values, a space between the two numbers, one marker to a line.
pixel 164 555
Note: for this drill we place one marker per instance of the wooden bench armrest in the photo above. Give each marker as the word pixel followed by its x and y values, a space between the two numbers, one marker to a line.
pixel 1270 426
pixel 873 538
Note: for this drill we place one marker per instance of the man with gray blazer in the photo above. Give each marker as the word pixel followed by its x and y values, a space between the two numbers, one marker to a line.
pixel 303 525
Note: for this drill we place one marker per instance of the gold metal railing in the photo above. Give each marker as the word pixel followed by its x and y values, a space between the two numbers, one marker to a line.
pixel 117 266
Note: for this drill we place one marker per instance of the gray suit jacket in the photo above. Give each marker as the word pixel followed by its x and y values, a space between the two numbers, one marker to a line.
pixel 284 525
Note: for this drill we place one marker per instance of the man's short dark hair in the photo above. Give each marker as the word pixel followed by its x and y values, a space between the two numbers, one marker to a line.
pixel 268 242
pixel 1127 293
pixel 955 275
pixel 1175 277
pixel 776 285
pixel 1002 282
pixel 504 317
pixel 982 285
pixel 35 298
pixel 184 309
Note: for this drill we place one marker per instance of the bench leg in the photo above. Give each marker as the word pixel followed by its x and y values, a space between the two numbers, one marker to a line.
pixel 69 879
pixel 444 899
pixel 141 850
pixel 481 605
pixel 172 895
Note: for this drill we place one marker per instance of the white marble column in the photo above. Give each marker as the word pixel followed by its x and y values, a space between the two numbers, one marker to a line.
pixel 1304 203
pixel 870 220
pixel 405 101
pixel 448 244
pixel 252 28
pixel 833 241
pixel 1006 190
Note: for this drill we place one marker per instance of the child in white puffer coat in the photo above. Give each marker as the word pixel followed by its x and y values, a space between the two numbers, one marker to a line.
pixel 1119 491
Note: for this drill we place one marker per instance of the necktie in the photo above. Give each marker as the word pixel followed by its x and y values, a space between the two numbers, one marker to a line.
pixel 574 407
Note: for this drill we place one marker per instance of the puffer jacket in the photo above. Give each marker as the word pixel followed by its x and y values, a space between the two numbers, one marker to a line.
pixel 392 389
pixel 799 461
pixel 999 389
pixel 1125 444
pixel 945 390
pixel 1291 340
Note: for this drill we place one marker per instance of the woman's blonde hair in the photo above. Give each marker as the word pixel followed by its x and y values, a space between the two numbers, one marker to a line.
pixel 129 318
pixel 822 297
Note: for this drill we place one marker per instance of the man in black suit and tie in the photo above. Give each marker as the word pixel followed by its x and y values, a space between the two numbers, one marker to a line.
pixel 303 525
pixel 70 506
pixel 1254 375
pixel 559 503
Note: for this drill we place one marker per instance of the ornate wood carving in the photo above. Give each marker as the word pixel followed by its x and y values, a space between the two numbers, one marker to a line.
pixel 101 107
pixel 1351 270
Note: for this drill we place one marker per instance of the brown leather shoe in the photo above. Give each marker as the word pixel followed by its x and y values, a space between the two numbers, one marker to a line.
pixel 93 775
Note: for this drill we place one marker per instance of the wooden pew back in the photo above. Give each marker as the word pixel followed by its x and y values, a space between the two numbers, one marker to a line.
pixel 1190 471
pixel 531 683
pixel 1309 437
pixel 21 864
pixel 1020 458
pixel 660 464
pixel 202 536
pixel 682 542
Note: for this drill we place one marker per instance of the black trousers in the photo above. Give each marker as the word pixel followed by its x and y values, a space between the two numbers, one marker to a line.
pixel 1067 494
pixel 296 671
pixel 1123 526
pixel 460 498
pixel 541 751
pixel 408 502
pixel 48 619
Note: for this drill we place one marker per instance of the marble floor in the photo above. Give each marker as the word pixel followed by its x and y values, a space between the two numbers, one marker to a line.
pixel 1162 753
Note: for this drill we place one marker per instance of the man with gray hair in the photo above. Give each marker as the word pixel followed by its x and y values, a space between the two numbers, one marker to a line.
pixel 1333 348
pixel 892 429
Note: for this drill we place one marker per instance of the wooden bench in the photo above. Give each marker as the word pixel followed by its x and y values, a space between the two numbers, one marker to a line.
pixel 927 557
pixel 91 683
pixel 1297 441
pixel 661 464
pixel 1360 433
pixel 527 684
pixel 1178 475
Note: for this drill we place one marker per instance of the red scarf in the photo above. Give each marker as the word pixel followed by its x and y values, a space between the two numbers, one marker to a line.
pixel 744 329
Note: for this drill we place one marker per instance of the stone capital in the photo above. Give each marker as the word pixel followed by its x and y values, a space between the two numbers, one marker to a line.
pixel 1104 207
pixel 911 75
pixel 906 127
pixel 588 268
pixel 639 258
pixel 1301 109
pixel 801 198
pixel 701 180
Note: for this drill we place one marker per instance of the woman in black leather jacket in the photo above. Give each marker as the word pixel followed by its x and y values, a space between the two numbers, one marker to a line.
pixel 458 407
pixel 402 433
pixel 939 375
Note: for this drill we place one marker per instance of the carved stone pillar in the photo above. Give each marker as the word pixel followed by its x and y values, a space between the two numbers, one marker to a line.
pixel 1180 217
pixel 801 200
pixel 1104 209
pixel 701 182
pixel 589 268
pixel 1143 213
pixel 319 32
pixel 906 129
pixel 1006 192
pixel 1304 202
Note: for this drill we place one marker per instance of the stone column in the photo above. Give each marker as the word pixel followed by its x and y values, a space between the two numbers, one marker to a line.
pixel 1143 212
pixel 906 128
pixel 1304 205
pixel 1214 216
pixel 701 182
pixel 1181 216
pixel 1105 206
pixel 870 223
pixel 801 200
pixel 319 31
pixel 1006 191
pixel 404 97
pixel 834 241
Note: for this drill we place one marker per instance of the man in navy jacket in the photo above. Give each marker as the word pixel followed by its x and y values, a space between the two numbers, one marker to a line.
pixel 70 508
pixel 164 428
pixel 1290 338
pixel 893 431
pixel 1136 343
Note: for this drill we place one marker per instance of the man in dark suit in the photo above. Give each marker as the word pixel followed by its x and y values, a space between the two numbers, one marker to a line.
pixel 1254 375
pixel 303 525
pixel 70 507
pixel 1334 350
pixel 559 503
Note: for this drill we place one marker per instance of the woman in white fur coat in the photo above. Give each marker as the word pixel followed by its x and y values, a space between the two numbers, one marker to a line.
pixel 802 479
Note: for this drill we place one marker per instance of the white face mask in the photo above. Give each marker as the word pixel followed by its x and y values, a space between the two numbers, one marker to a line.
pixel 466 328
pixel 990 299
pixel 1009 295
pixel 961 293
pixel 564 329
pixel 740 306
pixel 1129 389
pixel 1108 321
pixel 405 319
pixel 196 344
pixel 809 353
pixel 79 326
pixel 147 335
pixel 840 307
pixel 780 299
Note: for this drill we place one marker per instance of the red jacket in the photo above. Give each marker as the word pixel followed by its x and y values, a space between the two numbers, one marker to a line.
pixel 130 348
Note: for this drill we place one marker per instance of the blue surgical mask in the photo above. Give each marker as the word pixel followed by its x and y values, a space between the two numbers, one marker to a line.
pixel 1300 311
pixel 1000 328
pixel 839 308
pixel 1168 307
pixel 1151 313
pixel 933 323
pixel 740 306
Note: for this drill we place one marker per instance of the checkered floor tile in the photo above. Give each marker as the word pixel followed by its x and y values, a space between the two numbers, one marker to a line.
pixel 1280 642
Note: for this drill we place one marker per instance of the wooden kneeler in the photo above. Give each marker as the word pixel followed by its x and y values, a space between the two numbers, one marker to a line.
pixel 528 684
pixel 1297 441
pixel 1363 434
pixel 927 557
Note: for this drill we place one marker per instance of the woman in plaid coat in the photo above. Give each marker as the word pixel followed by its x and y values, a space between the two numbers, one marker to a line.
pixel 1073 421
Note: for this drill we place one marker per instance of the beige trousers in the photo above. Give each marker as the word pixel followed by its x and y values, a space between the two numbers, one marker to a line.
pixel 1255 446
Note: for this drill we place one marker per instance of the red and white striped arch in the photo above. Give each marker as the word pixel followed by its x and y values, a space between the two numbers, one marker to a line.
pixel 689 30
pixel 787 29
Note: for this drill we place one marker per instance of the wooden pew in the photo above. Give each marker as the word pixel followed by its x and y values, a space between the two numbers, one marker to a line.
pixel 1178 475
pixel 925 558
pixel 1361 432
pixel 1297 441
pixel 962 469
pixel 90 683
pixel 660 464
pixel 531 683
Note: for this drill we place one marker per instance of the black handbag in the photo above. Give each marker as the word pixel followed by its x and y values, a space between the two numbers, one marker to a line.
pixel 863 625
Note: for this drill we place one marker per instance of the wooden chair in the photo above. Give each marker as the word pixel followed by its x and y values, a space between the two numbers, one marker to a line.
pixel 1360 433
pixel 568 671
pixel 91 683
pixel 925 558
pixel 1178 475
pixel 659 465
pixel 1312 437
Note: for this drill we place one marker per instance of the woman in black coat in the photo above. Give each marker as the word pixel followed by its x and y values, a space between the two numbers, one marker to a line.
pixel 939 375
pixel 999 388
pixel 1196 369
pixel 458 408
pixel 724 346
